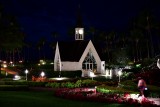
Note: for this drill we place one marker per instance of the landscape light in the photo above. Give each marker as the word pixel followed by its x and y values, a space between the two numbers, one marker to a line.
pixel 42 74
pixel 120 73
pixel 26 71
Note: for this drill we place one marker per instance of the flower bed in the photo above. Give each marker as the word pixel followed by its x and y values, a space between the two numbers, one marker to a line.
pixel 90 94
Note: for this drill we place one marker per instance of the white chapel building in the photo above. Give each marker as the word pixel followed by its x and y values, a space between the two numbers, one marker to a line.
pixel 79 54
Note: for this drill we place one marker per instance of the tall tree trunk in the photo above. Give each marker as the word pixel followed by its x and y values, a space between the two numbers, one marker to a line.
pixel 150 37
pixel 148 54
pixel 137 56
pixel 13 56
pixel 0 68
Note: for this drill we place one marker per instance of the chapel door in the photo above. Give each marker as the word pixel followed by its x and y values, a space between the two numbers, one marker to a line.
pixel 89 62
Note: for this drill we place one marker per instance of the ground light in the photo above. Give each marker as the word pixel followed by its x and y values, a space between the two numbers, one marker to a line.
pixel 92 74
pixel 16 77
pixel 119 74
pixel 42 74
pixel 59 78
pixel 26 71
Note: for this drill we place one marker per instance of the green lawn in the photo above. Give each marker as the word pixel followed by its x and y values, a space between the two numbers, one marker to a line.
pixel 44 99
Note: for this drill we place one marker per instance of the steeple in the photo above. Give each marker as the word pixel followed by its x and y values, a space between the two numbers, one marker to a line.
pixel 79 30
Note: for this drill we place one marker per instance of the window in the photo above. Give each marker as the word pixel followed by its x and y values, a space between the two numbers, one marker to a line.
pixel 89 62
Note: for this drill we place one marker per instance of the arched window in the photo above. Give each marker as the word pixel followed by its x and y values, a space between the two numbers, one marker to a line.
pixel 89 62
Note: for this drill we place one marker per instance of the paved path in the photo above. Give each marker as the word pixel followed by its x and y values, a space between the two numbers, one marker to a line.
pixel 156 100
pixel 135 96
pixel 9 71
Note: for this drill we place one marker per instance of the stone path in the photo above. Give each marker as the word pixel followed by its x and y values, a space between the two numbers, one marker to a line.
pixel 156 100
pixel 135 96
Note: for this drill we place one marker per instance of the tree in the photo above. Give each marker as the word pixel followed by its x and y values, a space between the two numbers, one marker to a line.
pixel 40 46
pixel 11 36
pixel 147 23
pixel 136 36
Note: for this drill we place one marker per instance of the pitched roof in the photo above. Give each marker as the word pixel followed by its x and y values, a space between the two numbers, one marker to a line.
pixel 72 51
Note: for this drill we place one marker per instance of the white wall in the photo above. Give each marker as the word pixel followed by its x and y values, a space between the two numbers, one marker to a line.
pixel 57 59
pixel 103 67
pixel 70 66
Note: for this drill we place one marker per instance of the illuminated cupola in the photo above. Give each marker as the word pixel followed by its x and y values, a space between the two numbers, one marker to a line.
pixel 79 30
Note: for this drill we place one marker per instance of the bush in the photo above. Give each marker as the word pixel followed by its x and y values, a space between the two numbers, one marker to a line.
pixel 53 85
pixel 71 74
pixel 13 87
pixel 88 82
pixel 16 83
pixel 69 85
pixel 109 89
pixel 78 83
pixel 36 84
pixel 129 85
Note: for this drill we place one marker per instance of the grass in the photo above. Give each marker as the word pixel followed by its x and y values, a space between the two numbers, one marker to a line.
pixel 44 99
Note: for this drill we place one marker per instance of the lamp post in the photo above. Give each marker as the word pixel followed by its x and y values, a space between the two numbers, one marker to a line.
pixel 120 73
pixel 42 74
pixel 91 74
pixel 5 66
pixel 26 71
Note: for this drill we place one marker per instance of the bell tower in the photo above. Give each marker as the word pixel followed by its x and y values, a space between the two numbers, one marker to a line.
pixel 79 30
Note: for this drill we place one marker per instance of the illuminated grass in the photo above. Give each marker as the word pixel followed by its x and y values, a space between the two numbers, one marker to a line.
pixel 44 99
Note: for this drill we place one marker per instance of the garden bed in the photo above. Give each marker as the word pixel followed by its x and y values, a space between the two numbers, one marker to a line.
pixel 90 94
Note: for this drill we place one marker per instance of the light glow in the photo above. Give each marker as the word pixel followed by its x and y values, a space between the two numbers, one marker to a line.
pixel 4 65
pixel 26 71
pixel 80 31
pixel 120 73
pixel 51 63
pixel 42 74
pixel 91 74
pixel 20 61
pixel 59 78
pixel 16 77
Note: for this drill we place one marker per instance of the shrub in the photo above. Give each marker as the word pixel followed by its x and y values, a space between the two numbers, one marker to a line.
pixel 78 83
pixel 13 87
pixel 71 74
pixel 129 85
pixel 69 85
pixel 53 85
pixel 110 89
pixel 88 82
pixel 37 84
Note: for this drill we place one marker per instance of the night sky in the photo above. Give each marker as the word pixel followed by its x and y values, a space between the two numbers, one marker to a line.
pixel 39 18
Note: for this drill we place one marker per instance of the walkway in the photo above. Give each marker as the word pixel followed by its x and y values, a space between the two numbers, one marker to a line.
pixel 9 71
pixel 156 100
pixel 135 96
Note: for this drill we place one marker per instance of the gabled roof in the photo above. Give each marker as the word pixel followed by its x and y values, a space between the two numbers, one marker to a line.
pixel 72 51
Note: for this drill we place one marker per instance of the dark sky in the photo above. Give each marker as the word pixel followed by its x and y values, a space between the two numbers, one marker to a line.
pixel 41 17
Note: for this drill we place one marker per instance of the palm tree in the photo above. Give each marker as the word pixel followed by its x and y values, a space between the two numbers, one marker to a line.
pixel 109 43
pixel 10 33
pixel 147 23
pixel 40 46
pixel 136 36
